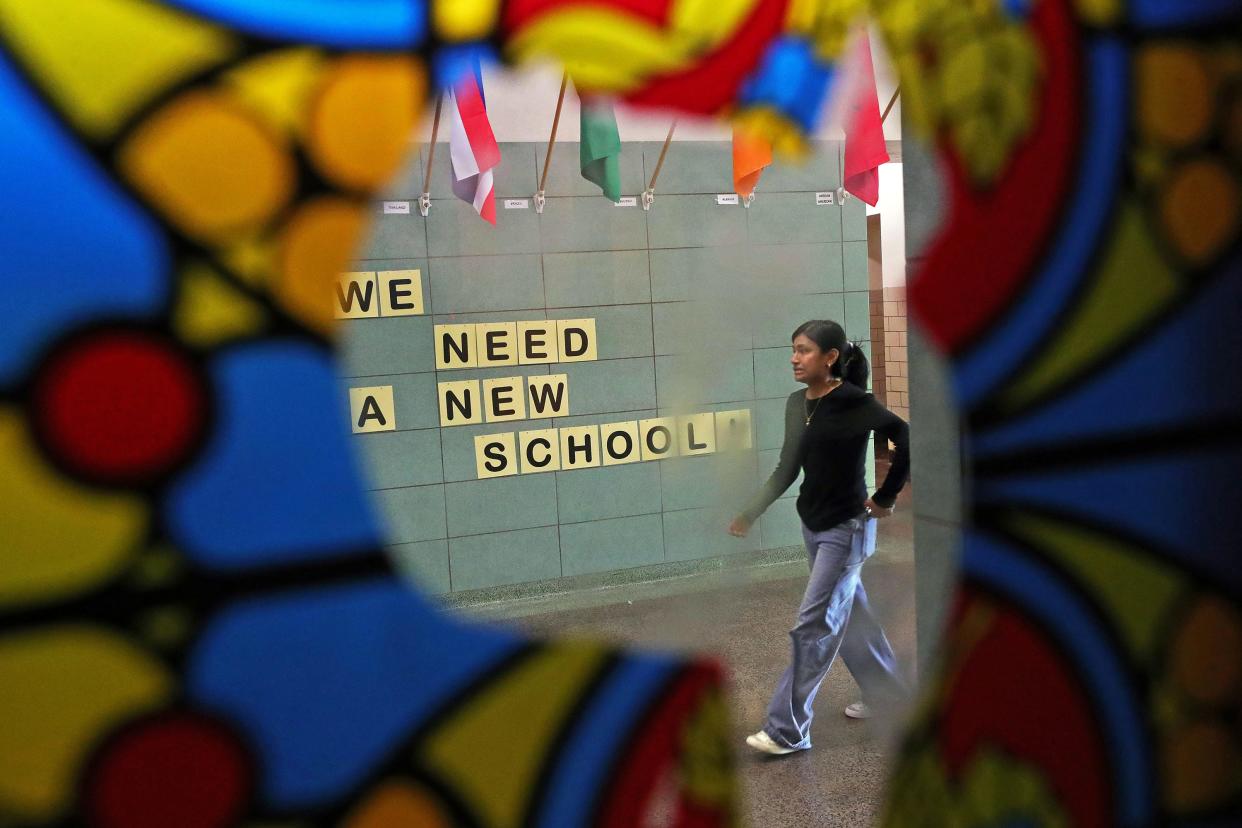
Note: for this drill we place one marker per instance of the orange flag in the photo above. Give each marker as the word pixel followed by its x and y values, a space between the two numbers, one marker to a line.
pixel 750 155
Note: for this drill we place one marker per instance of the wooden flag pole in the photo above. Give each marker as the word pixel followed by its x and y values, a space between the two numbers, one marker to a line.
pixel 424 201
pixel 891 101
pixel 547 158
pixel 649 195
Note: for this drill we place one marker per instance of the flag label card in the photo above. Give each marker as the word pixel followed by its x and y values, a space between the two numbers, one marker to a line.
pixel 627 201
pixel 727 198
pixel 517 203
pixel 396 208
pixel 825 199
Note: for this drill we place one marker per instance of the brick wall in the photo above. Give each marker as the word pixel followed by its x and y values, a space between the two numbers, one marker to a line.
pixel 896 364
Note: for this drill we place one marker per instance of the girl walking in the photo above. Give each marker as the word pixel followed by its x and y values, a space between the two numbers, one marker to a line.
pixel 828 428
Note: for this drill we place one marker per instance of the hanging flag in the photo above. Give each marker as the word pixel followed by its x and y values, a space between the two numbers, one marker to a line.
pixel 473 151
pixel 864 131
pixel 600 147
pixel 751 154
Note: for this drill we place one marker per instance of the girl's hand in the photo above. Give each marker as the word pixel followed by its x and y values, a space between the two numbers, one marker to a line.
pixel 740 527
pixel 875 511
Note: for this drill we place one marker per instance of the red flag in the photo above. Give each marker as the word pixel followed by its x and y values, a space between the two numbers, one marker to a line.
pixel 864 132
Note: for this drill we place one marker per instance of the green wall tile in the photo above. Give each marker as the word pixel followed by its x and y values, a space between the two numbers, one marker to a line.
pixel 500 504
pixel 618 277
pixel 395 236
pixel 426 564
pixel 612 385
pixel 530 315
pixel 699 273
pixel 606 545
pixel 706 377
pixel 688 482
pixel 565 172
pixel 455 229
pixel 601 419
pixel 401 458
pixel 458 446
pixel 692 534
pixel 591 223
pixel 621 331
pixel 690 167
pixel 820 171
pixel 398 344
pixel 695 221
pixel 770 423
pixel 694 327
pixel 858 315
pixel 517 557
pixel 608 492
pixel 853 220
pixel 777 317
pixel 515 177
pixel 854 259
pixel 780 526
pixel 797 268
pixel 774 373
pixel 413 514
pixel 492 373
pixel 792 218
pixel 486 283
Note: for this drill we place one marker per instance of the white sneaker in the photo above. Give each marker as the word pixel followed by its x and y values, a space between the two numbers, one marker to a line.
pixel 858 710
pixel 763 743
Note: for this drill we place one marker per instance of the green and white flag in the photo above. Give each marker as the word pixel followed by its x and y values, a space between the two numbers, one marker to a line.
pixel 600 148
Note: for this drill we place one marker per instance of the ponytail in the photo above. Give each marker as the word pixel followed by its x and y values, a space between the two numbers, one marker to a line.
pixel 854 366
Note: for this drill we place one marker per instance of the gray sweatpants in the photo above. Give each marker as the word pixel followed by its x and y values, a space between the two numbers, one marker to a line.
pixel 834 615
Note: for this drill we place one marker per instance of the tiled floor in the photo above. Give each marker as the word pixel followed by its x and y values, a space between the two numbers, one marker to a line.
pixel 743 617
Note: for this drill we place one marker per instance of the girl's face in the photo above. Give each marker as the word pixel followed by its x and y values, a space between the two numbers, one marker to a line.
pixel 810 364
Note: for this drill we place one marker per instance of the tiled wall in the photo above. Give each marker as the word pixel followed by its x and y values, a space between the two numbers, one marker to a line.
pixel 694 304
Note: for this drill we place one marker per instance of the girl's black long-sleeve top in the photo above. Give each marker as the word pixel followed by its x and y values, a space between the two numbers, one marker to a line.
pixel 832 453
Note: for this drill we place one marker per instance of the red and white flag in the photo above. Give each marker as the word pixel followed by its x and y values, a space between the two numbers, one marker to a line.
pixel 865 150
pixel 472 146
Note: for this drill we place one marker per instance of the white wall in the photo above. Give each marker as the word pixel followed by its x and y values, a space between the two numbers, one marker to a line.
pixel 892 211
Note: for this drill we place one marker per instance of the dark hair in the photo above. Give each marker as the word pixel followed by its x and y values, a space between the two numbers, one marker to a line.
pixel 851 364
